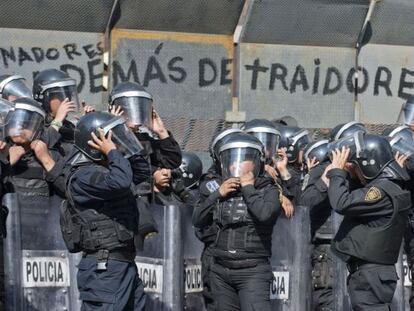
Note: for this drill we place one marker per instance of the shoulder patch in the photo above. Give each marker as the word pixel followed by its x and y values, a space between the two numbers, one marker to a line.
pixel 212 186
pixel 373 195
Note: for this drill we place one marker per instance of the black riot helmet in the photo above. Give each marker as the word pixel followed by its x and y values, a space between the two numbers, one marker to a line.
pixel 219 140
pixel 5 108
pixel 25 121
pixel 240 154
pixel 13 87
pixel 266 132
pixel 373 154
pixel 317 150
pixel 191 169
pixel 401 139
pixel 294 139
pixel 406 115
pixel 126 142
pixel 52 86
pixel 346 130
pixel 136 103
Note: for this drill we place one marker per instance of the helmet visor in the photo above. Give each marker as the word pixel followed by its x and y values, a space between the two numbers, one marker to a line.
pixel 56 95
pixel 125 140
pixel 406 114
pixel 236 162
pixel 15 89
pixel 402 146
pixel 270 142
pixel 137 111
pixel 24 124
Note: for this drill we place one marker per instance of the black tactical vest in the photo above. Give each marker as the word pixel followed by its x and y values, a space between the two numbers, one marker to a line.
pixel 100 226
pixel 238 231
pixel 375 244
pixel 26 177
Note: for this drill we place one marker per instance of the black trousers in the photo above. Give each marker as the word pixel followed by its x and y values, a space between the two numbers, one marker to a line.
pixel 245 289
pixel 372 287
pixel 207 261
pixel 118 288
pixel 322 278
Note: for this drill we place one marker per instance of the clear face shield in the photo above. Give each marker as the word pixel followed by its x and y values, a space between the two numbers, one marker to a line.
pixel 55 94
pixel 347 142
pixel 270 139
pixel 406 115
pixel 405 147
pixel 124 139
pixel 23 125
pixel 238 161
pixel 5 107
pixel 137 107
pixel 14 87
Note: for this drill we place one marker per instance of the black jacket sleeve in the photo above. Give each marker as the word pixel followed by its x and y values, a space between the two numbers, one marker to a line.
pixel 203 210
pixel 263 205
pixel 166 152
pixel 365 202
pixel 315 191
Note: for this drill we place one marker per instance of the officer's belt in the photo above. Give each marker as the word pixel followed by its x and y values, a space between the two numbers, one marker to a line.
pixel 113 255
pixel 240 264
pixel 356 265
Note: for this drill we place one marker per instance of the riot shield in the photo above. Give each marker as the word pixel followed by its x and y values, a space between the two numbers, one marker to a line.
pixel 341 295
pixel 192 249
pixel 398 301
pixel 39 271
pixel 407 280
pixel 291 287
pixel 160 263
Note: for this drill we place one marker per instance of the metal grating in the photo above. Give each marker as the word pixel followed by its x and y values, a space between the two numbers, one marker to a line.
pixel 74 15
pixel 196 16
pixel 306 22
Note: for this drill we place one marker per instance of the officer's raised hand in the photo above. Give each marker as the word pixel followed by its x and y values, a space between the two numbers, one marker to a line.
pixel 64 108
pixel 102 144
pixel 340 158
pixel 311 163
pixel 229 186
pixel 158 125
pixel 247 179
pixel 42 154
pixel 15 154
pixel 116 110
pixel 400 158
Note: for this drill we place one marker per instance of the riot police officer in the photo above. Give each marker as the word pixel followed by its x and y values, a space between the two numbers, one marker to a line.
pixel 135 105
pixel 102 206
pixel 402 142
pixel 13 87
pixel 57 92
pixel 290 159
pixel 244 206
pixel 369 238
pixel 207 233
pixel 269 136
pixel 315 195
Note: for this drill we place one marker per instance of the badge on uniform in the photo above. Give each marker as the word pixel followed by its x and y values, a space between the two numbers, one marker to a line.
pixel 373 195
pixel 212 186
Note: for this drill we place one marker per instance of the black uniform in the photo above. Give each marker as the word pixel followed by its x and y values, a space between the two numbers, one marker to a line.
pixel 207 235
pixel 409 233
pixel 369 237
pixel 315 195
pixel 107 277
pixel 241 273
pixel 292 187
